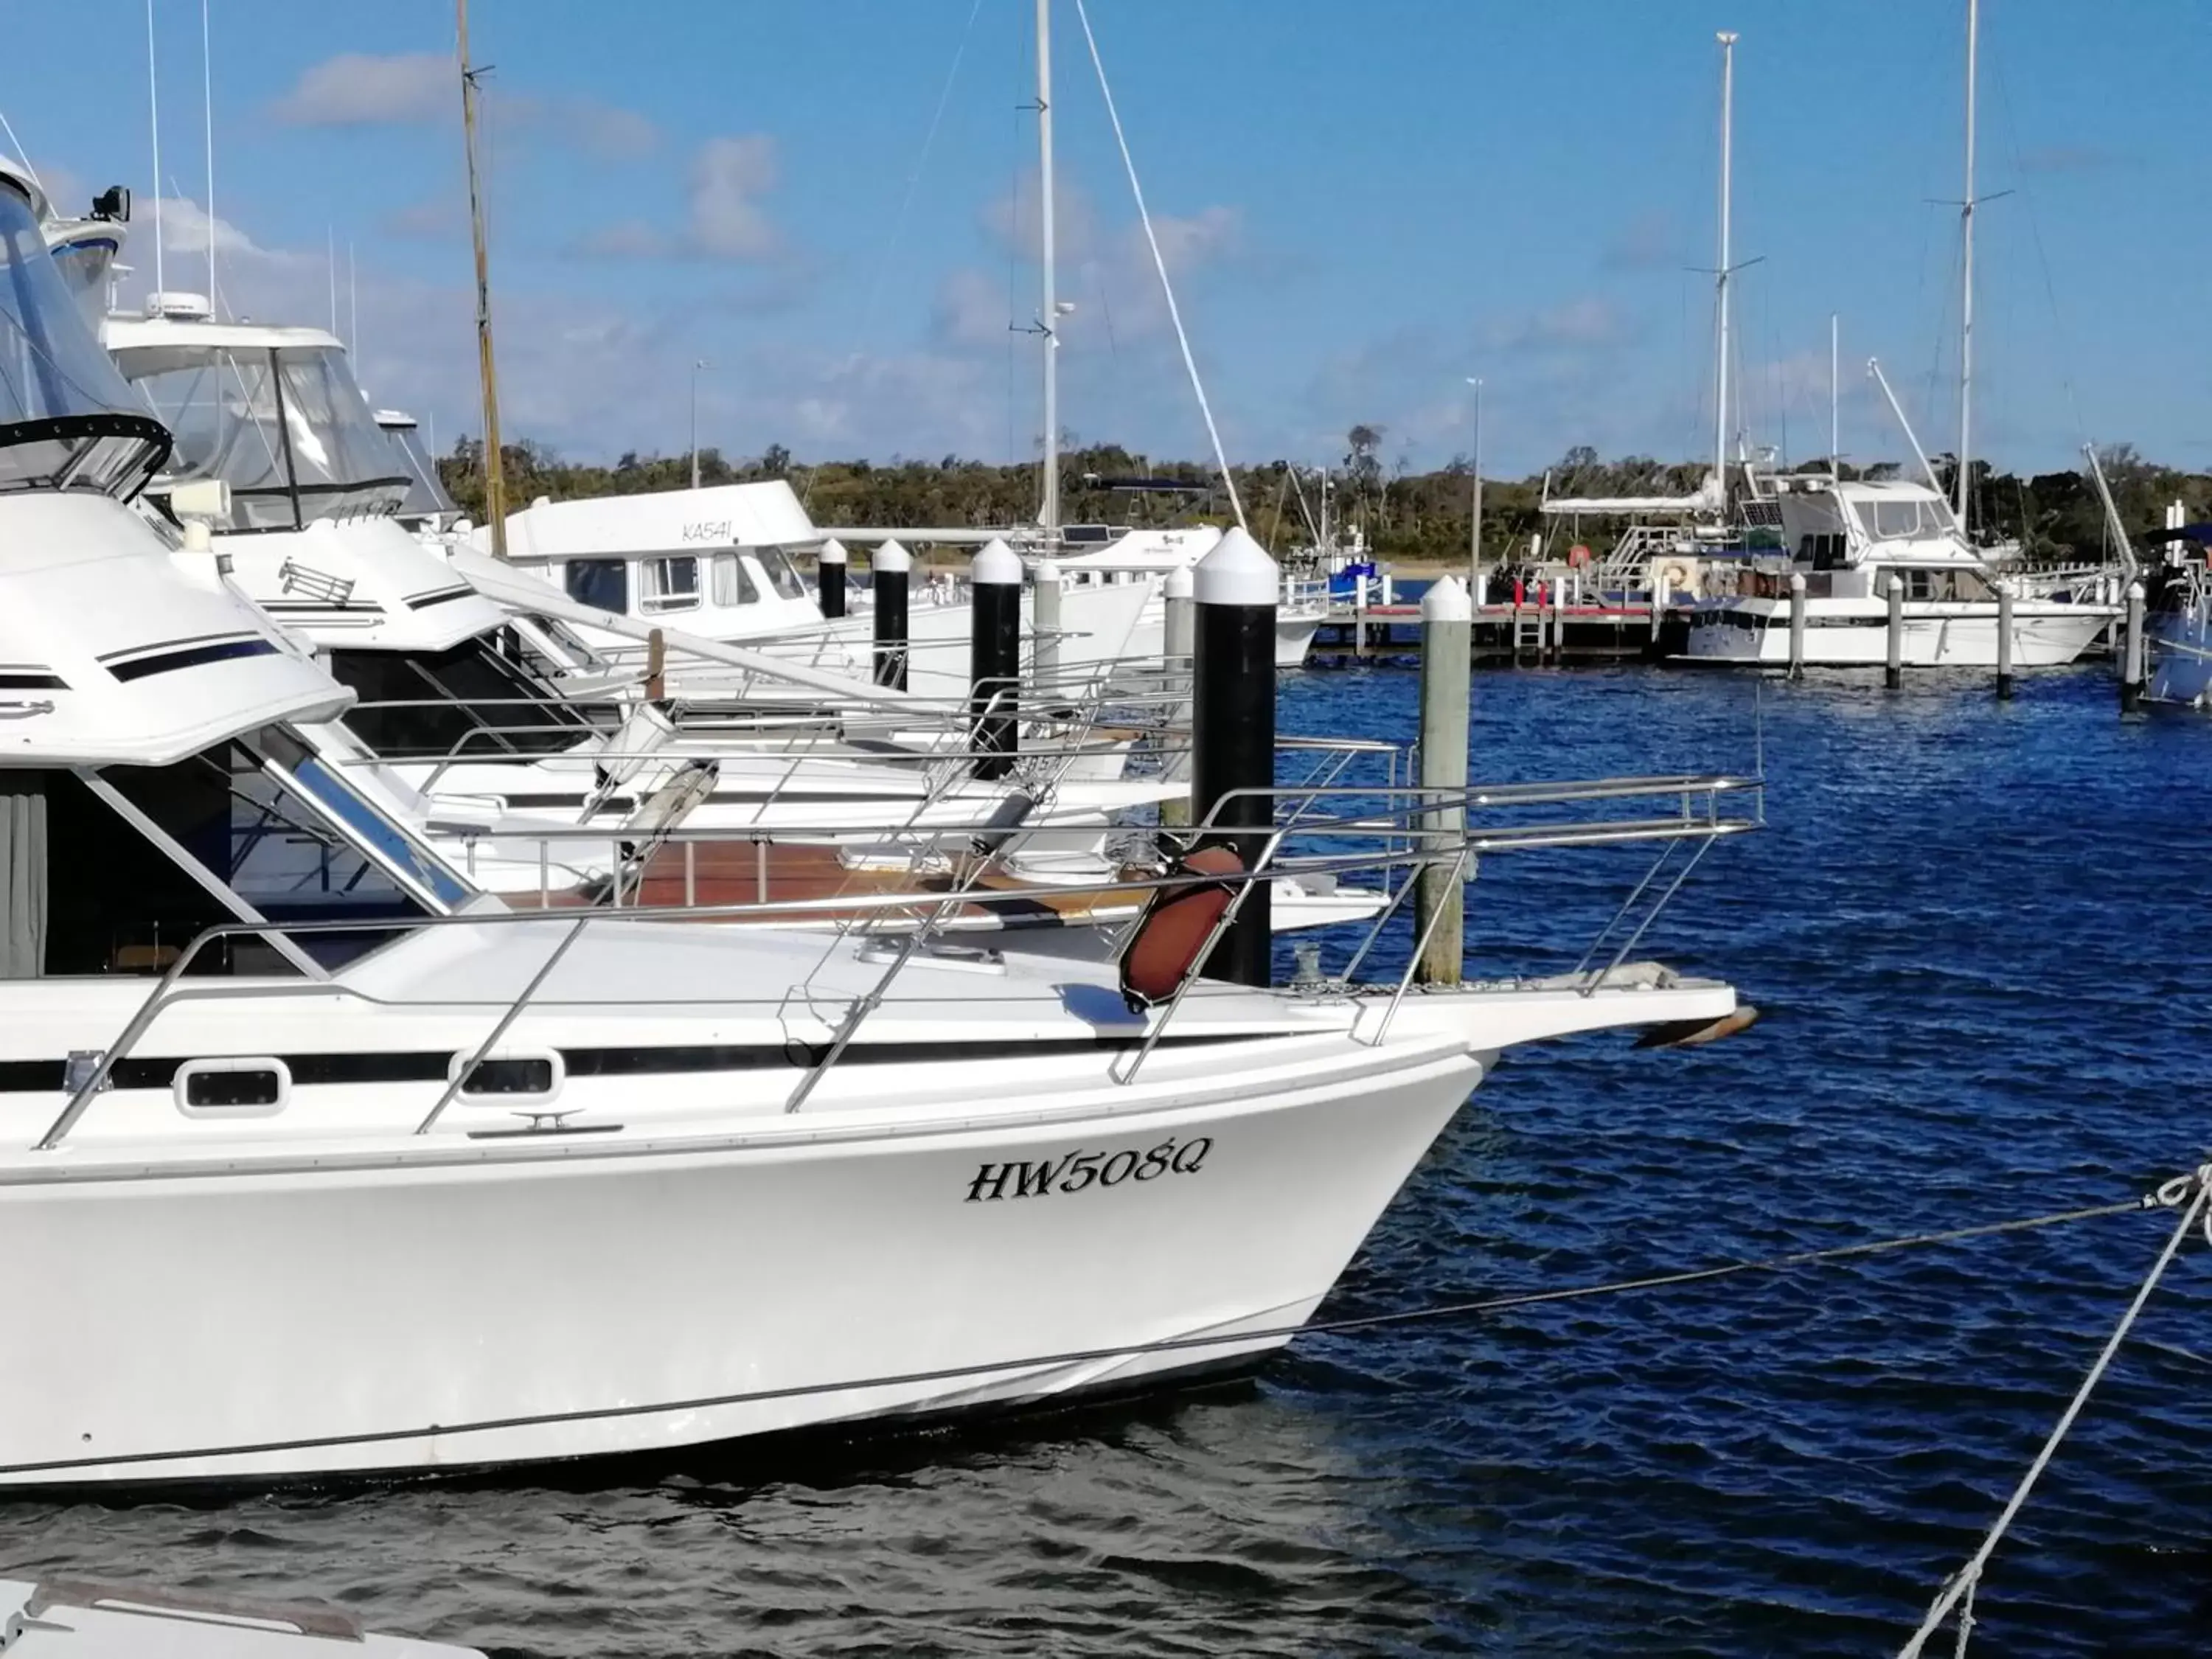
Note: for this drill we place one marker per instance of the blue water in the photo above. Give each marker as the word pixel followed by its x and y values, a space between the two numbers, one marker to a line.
pixel 1977 935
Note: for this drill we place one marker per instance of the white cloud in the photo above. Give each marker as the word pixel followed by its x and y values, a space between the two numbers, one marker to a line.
pixel 723 216
pixel 362 89
pixel 607 131
pixel 727 177
pixel 1107 271
pixel 64 188
pixel 186 229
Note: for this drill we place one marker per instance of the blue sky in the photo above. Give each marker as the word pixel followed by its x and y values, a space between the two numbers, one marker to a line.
pixel 1362 206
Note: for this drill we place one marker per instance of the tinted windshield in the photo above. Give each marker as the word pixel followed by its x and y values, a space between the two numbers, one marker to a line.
pixel 286 427
pixel 269 821
pixel 468 702
pixel 66 418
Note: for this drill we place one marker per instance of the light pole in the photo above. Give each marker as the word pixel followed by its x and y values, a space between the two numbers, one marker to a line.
pixel 1474 530
pixel 697 363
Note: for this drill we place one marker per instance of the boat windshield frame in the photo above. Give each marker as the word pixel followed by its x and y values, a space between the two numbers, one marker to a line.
pixel 292 434
pixel 67 421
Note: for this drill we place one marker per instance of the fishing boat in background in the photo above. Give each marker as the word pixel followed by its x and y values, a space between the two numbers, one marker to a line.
pixel 2177 616
pixel 1849 541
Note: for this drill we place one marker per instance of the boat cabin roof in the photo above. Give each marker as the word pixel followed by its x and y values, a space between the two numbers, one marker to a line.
pixel 124 330
pixel 113 648
pixel 362 585
pixel 1145 549
pixel 724 516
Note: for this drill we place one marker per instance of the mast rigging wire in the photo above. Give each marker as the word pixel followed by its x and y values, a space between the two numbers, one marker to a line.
pixel 1160 264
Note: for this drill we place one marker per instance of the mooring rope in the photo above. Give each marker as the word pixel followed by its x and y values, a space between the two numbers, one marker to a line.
pixel 1958 1590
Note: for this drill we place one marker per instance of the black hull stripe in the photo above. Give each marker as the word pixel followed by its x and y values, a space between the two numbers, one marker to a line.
pixel 195 657
pixel 154 1071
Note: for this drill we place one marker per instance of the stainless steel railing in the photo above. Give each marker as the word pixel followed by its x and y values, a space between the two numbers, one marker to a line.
pixel 1398 820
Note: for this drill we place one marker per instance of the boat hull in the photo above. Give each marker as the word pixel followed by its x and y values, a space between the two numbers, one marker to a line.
pixel 1846 633
pixel 442 1314
pixel 2180 647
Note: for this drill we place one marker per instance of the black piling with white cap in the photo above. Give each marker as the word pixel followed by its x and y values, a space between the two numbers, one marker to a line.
pixel 994 658
pixel 890 569
pixel 1236 587
pixel 829 578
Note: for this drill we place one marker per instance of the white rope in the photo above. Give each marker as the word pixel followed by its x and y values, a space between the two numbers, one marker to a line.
pixel 1960 1588
pixel 1160 264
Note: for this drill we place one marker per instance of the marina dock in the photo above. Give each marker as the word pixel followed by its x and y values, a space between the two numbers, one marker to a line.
pixel 1356 635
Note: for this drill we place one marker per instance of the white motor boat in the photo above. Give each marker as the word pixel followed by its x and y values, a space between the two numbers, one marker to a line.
pixel 717 562
pixel 1848 540
pixel 1143 559
pixel 320 1187
pixel 79 1618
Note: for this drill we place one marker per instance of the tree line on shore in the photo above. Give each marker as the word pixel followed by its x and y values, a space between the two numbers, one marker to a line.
pixel 1405 516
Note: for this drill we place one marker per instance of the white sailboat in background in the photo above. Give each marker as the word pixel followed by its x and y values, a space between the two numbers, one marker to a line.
pixel 1851 541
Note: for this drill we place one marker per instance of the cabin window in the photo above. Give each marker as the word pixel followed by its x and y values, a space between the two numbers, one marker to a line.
pixel 468 702
pixel 782 575
pixel 1892 521
pixel 1822 552
pixel 115 902
pixel 603 584
pixel 670 583
pixel 295 848
pixel 733 584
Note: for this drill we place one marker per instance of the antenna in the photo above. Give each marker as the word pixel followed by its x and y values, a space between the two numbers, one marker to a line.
pixel 207 104
pixel 330 263
pixel 353 306
pixel 154 125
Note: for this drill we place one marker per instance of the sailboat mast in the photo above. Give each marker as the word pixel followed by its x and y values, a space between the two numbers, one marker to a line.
pixel 494 480
pixel 1721 279
pixel 1049 480
pixel 1966 271
pixel 153 127
pixel 1835 399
